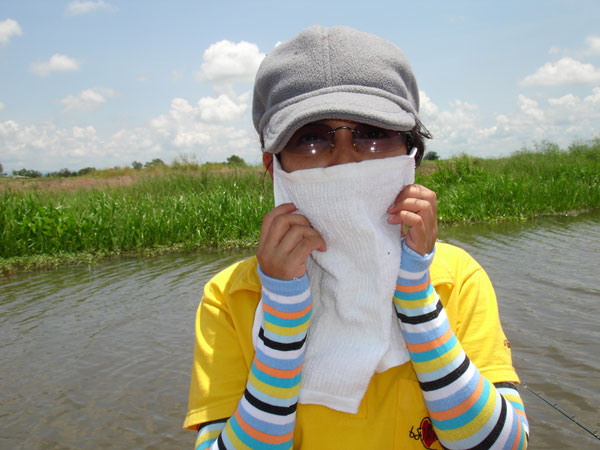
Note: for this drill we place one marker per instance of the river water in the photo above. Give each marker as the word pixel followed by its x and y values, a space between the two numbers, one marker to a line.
pixel 100 357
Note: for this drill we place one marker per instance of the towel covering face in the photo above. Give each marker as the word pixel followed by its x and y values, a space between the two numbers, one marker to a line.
pixel 354 331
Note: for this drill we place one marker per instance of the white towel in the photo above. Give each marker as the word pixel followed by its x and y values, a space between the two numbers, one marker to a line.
pixel 354 331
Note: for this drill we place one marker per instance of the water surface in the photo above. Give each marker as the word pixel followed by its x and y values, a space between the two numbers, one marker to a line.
pixel 101 357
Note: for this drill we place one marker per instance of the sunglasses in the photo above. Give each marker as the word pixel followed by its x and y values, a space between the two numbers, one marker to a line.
pixel 317 138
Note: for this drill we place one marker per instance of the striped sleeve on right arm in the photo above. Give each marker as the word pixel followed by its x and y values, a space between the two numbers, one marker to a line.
pixel 266 414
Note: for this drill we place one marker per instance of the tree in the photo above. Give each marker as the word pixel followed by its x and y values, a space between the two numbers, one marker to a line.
pixel 431 156
pixel 64 173
pixel 236 161
pixel 137 165
pixel 155 162
pixel 1 169
pixel 27 173
pixel 86 170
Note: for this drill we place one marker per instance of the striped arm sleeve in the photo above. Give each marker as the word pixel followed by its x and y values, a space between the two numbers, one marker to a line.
pixel 266 414
pixel 467 411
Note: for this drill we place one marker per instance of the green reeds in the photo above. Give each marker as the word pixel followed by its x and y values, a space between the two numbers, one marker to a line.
pixel 180 209
pixel 183 207
pixel 527 184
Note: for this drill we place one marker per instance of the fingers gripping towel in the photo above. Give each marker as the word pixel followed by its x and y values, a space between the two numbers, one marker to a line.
pixel 354 331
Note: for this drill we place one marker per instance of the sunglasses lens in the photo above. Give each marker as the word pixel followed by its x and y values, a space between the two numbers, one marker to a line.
pixel 371 139
pixel 311 139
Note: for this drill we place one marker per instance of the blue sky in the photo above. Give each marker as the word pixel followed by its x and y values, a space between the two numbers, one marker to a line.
pixel 104 83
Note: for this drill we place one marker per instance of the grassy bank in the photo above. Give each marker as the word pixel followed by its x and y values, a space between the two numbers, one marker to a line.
pixel 525 185
pixel 188 207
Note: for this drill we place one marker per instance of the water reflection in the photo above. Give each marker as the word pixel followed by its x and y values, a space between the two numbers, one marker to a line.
pixel 545 274
pixel 100 357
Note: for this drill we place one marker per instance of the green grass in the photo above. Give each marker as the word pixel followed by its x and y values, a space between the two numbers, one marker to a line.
pixel 185 207
pixel 172 209
pixel 525 185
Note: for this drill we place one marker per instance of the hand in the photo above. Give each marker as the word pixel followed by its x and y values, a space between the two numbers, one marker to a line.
pixel 285 243
pixel 416 207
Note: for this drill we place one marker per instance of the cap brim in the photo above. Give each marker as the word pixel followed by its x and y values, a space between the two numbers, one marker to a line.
pixel 356 106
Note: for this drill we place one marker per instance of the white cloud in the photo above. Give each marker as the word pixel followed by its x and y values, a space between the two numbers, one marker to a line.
pixel 594 99
pixel 462 128
pixel 427 107
pixel 216 127
pixel 221 109
pixel 593 43
pixel 56 63
pixel 568 100
pixel 530 107
pixel 87 100
pixel 561 120
pixel 226 62
pixel 454 126
pixel 565 71
pixel 188 127
pixel 212 129
pixel 45 146
pixel 209 109
pixel 8 29
pixel 1 106
pixel 592 48
pixel 78 8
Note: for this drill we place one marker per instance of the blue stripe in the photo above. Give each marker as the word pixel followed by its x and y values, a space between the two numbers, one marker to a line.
pixel 517 406
pixel 523 440
pixel 285 402
pixel 426 336
pixel 457 397
pixel 287 287
pixel 211 427
pixel 425 377
pixel 286 307
pixel 253 443
pixel 434 352
pixel 479 435
pixel 265 427
pixel 287 323
pixel 468 415
pixel 514 428
pixel 413 312
pixel 206 444
pixel 283 339
pixel 419 295
pixel 283 364
pixel 285 383
pixel 404 282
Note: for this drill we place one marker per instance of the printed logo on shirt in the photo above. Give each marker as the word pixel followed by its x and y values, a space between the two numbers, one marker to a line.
pixel 424 433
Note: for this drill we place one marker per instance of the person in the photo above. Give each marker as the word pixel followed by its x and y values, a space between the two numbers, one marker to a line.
pixel 352 327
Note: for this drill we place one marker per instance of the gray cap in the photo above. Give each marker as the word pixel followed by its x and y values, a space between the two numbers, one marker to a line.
pixel 332 73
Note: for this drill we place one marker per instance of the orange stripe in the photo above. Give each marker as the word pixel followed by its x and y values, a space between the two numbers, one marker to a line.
pixel 426 346
pixel 286 315
pixel 415 288
pixel 278 373
pixel 461 408
pixel 518 440
pixel 259 435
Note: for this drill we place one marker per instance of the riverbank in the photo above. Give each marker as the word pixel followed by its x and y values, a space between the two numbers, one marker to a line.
pixel 45 224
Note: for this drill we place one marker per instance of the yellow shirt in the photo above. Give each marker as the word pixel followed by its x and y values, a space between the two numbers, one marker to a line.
pixel 392 414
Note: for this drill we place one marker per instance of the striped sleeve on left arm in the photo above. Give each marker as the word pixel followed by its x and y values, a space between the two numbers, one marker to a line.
pixel 467 410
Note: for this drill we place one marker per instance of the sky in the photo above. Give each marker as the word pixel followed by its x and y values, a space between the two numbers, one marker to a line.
pixel 104 83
